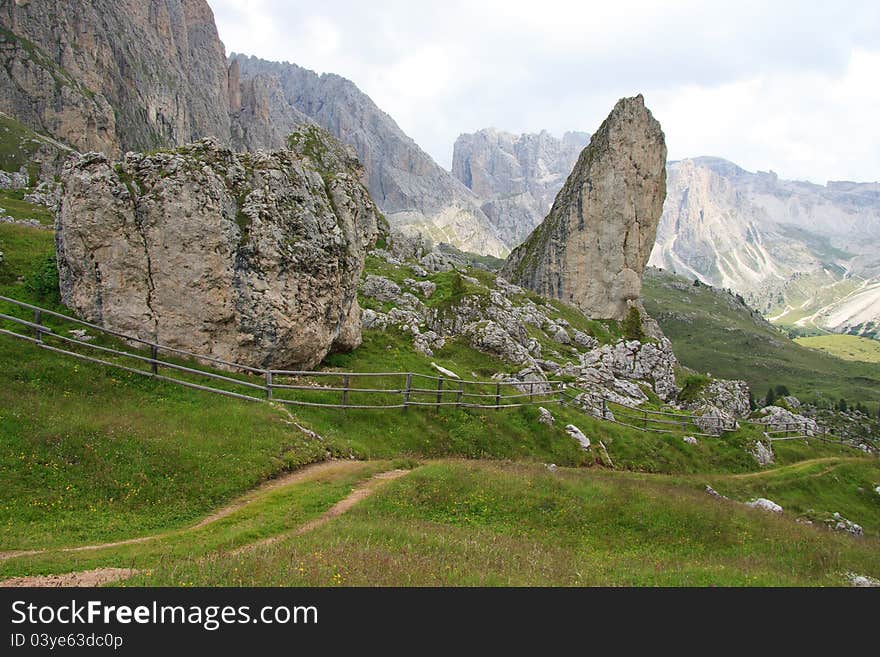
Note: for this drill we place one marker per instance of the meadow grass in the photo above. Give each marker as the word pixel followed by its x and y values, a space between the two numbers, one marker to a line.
pixel 476 523
pixel 847 347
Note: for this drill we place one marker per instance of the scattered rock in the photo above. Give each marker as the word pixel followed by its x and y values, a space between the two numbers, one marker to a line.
pixel 428 342
pixel 863 581
pixel 578 435
pixel 380 288
pixel 781 419
pixel 425 288
pixel 444 371
pixel 765 505
pixel 545 416
pixel 792 401
pixel 714 493
pixel 551 467
pixel 730 396
pixel 81 334
pixel 841 524
pixel 690 440
pixel 763 452
pixel 712 420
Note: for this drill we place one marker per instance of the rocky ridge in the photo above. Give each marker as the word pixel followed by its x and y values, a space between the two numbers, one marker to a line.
pixel 516 177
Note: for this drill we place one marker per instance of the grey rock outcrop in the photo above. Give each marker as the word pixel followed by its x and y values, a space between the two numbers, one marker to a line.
pixel 413 191
pixel 780 419
pixel 731 396
pixel 113 75
pixel 592 248
pixel 250 258
pixel 516 177
pixel 631 361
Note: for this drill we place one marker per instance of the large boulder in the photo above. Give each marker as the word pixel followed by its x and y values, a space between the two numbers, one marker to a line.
pixel 592 248
pixel 251 258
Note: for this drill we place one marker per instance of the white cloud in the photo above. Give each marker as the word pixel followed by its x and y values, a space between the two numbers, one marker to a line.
pixel 788 85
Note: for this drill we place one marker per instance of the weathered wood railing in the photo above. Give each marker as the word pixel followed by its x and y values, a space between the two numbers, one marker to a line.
pixel 342 390
pixel 261 384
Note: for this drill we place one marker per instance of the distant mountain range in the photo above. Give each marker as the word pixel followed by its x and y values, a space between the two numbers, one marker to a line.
pixel 118 75
pixel 806 256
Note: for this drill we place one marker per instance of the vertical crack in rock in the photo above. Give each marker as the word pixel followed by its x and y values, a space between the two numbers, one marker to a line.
pixel 177 271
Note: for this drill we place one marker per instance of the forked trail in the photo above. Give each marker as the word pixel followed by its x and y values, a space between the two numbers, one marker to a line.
pixel 101 576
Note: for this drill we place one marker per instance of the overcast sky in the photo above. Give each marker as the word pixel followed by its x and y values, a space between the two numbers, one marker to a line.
pixel 788 86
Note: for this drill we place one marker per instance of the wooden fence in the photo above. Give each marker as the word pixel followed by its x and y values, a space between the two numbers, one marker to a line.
pixel 340 390
pixel 645 419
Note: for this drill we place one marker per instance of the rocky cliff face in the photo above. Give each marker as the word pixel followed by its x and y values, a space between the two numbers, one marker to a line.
pixel 801 253
pixel 515 176
pixel 592 248
pixel 113 75
pixel 252 258
pixel 411 189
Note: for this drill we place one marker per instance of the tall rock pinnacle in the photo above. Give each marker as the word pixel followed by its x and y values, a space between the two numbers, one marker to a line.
pixel 592 248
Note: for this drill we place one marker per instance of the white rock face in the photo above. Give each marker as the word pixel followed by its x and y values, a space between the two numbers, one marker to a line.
pixel 764 504
pixel 798 252
pixel 516 177
pixel 250 258
pixel 578 435
pixel 592 248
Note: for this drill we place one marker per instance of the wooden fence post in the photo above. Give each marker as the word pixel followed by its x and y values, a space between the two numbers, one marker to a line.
pixel 439 392
pixel 269 385
pixel 604 408
pixel 38 320
pixel 531 392
pixel 459 394
pixel 345 382
pixel 497 395
pixel 154 359
pixel 646 419
pixel 406 391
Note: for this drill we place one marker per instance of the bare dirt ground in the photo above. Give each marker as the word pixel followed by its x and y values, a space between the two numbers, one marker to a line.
pixel 95 577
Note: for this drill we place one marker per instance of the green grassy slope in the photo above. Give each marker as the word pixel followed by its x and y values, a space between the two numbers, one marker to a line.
pixel 95 454
pixel 847 347
pixel 711 331
pixel 458 523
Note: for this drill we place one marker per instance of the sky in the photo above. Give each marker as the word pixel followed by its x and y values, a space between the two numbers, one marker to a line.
pixel 792 87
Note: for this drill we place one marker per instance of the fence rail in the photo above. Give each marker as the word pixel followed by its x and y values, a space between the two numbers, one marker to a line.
pixel 332 389
pixel 406 389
